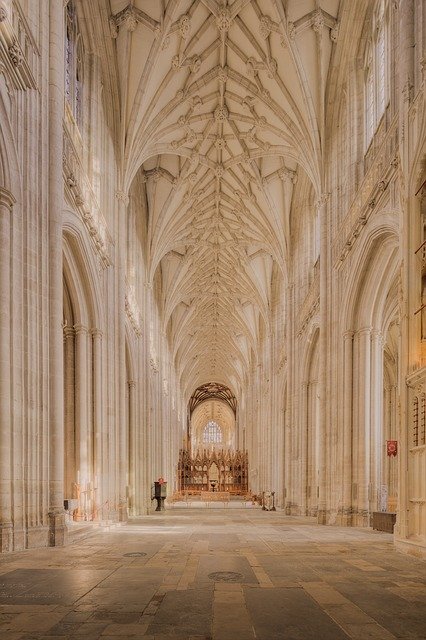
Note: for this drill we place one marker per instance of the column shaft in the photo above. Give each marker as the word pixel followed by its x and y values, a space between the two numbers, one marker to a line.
pixel 364 432
pixel 323 362
pixel 81 406
pixel 6 538
pixel 69 411
pixel 347 426
pixel 56 366
pixel 99 490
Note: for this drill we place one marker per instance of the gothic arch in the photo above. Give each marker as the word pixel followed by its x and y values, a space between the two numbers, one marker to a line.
pixel 81 274
pixel 373 268
pixel 369 308
pixel 83 391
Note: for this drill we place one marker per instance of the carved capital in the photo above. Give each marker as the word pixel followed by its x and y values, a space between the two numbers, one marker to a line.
pixel 69 333
pixel 80 329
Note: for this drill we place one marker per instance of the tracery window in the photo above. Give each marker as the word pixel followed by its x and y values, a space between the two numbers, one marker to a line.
pixel 212 433
pixel 376 69
pixel 74 55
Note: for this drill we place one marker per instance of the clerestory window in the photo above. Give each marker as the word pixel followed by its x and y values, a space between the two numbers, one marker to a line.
pixel 74 55
pixel 376 70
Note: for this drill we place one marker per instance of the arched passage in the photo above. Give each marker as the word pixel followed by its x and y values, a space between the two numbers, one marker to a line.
pixel 84 451
pixel 370 354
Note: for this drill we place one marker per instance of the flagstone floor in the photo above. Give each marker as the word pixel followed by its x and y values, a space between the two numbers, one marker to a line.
pixel 229 574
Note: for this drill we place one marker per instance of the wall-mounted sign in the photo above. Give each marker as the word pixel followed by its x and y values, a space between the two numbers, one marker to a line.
pixel 391 447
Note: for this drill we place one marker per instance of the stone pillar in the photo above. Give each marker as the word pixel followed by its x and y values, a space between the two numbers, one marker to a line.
pixel 133 445
pixel 81 413
pixel 323 361
pixel 6 533
pixel 347 427
pixel 304 447
pixel 377 427
pixel 99 490
pixel 56 201
pixel 69 411
pixel 121 376
pixel 364 426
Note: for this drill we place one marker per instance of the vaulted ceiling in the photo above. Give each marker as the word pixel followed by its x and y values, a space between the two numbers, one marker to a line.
pixel 222 107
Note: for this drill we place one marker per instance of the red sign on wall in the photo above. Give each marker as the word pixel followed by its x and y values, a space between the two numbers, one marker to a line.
pixel 391 447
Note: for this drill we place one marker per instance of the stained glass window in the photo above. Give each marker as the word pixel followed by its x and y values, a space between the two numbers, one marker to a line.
pixel 212 433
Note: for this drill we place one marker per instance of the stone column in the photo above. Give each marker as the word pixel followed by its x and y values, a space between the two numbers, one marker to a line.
pixel 99 490
pixel 121 376
pixel 69 411
pixel 377 430
pixel 304 446
pixel 323 361
pixel 404 70
pixel 56 201
pixel 364 426
pixel 132 445
pixel 6 533
pixel 347 426
pixel 81 413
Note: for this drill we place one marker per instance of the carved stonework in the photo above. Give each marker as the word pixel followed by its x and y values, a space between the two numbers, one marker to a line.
pixel 223 75
pixel 184 26
pixel 154 364
pixel 322 200
pixel 224 20
pixel 265 26
pixel 318 21
pixel 122 197
pixel 129 18
pixel 16 54
pixel 334 32
pixel 221 114
pixel 3 13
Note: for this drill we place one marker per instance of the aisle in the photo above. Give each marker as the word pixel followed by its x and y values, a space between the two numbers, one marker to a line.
pixel 205 574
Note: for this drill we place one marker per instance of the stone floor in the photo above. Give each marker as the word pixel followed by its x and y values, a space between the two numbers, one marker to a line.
pixel 225 574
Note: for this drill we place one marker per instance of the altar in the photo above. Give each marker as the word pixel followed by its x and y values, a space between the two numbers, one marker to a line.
pixel 213 472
